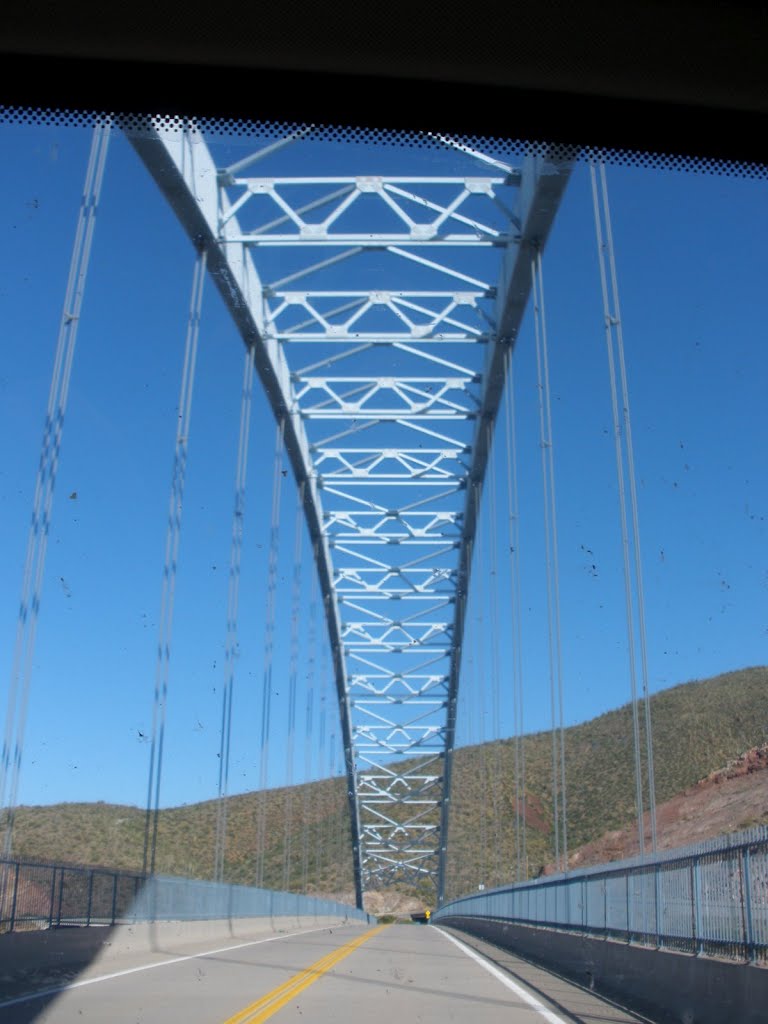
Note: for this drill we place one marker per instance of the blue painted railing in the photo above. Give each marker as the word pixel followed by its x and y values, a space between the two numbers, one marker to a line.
pixel 34 896
pixel 706 899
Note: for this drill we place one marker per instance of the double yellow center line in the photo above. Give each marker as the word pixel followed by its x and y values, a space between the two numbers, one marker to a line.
pixel 263 1008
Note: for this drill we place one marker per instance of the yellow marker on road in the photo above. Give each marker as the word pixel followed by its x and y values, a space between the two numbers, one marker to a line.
pixel 269 1004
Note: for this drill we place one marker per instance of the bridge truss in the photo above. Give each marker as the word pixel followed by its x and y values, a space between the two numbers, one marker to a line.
pixel 383 309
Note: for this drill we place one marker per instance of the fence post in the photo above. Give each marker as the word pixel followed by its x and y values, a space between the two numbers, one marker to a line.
pixel 584 897
pixel 696 886
pixel 15 897
pixel 114 898
pixel 90 897
pixel 749 938
pixel 627 876
pixel 53 897
pixel 657 901
pixel 61 898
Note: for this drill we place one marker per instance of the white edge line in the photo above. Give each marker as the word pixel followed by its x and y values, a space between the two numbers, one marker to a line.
pixel 43 993
pixel 504 979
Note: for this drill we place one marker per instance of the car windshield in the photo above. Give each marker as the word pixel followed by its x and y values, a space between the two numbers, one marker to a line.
pixel 348 482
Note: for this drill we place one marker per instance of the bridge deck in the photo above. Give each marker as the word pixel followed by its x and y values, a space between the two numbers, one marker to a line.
pixel 389 974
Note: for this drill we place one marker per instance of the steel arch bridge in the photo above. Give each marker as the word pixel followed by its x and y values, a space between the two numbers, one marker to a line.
pixel 383 346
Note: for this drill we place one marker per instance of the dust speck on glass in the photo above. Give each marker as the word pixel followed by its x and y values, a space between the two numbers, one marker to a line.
pixel 397 522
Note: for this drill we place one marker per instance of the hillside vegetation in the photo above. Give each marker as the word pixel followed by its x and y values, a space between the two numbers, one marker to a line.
pixel 697 728
pixel 316 857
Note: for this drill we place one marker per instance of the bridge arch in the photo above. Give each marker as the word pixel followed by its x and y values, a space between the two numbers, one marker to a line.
pixel 391 524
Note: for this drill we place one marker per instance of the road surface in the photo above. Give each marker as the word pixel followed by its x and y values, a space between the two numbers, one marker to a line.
pixel 394 974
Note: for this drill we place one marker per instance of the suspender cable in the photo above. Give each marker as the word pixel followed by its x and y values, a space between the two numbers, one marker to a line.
pixel 521 846
pixel 331 829
pixel 292 681
pixel 548 558
pixel 635 518
pixel 478 554
pixel 469 687
pixel 173 536
pixel 37 543
pixel 342 836
pixel 233 601
pixel 308 725
pixel 463 875
pixel 553 573
pixel 460 874
pixel 625 540
pixel 493 569
pixel 320 846
pixel 615 346
pixel 269 649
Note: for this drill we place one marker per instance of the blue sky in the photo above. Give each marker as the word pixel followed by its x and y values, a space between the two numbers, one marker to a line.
pixel 691 254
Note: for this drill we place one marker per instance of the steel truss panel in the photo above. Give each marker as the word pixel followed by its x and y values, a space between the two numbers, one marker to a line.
pixel 381 333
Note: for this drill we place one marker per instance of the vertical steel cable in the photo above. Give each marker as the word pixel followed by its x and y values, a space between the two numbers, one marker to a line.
pixel 269 650
pixel 556 574
pixel 608 318
pixel 37 543
pixel 612 317
pixel 463 791
pixel 173 536
pixel 478 553
pixel 331 819
pixel 321 768
pixel 547 553
pixel 635 518
pixel 469 686
pixel 495 664
pixel 342 835
pixel 521 846
pixel 553 572
pixel 292 679
pixel 309 723
pixel 233 601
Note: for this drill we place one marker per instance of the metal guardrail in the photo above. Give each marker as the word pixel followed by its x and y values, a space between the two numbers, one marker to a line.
pixel 707 899
pixel 36 896
pixel 183 899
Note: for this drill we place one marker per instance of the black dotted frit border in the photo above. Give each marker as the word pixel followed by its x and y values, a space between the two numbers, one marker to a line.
pixel 394 137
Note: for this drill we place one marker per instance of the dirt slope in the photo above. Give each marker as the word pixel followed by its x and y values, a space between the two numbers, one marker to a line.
pixel 734 797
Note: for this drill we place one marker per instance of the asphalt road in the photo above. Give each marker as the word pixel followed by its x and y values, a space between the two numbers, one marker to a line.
pixel 388 975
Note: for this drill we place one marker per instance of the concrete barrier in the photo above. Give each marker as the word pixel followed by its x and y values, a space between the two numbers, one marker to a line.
pixel 178 936
pixel 36 960
pixel 672 988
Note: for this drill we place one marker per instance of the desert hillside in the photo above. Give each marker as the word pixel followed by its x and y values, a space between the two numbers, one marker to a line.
pixel 710 748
